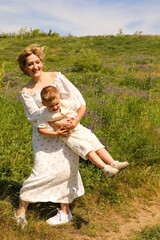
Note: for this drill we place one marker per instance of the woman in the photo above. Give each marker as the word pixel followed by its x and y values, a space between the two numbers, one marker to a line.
pixel 55 175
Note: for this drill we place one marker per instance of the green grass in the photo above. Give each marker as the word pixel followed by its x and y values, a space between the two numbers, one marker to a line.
pixel 119 77
pixel 149 234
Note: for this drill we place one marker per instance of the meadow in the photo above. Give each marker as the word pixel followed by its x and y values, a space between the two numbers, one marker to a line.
pixel 119 77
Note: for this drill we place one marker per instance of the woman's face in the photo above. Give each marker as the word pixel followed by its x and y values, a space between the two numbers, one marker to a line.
pixel 33 66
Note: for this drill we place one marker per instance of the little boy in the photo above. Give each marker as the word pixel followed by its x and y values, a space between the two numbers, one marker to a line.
pixel 80 139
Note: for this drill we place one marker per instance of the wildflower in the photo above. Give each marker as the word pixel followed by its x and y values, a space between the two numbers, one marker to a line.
pixel 91 127
pixel 109 147
pixel 103 141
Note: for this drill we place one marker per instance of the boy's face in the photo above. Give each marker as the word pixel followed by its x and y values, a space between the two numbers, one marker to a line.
pixel 54 106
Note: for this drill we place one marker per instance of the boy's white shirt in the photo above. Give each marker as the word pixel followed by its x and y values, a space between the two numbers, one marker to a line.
pixel 68 109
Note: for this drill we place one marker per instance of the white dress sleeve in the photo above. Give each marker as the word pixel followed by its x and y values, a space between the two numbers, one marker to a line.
pixel 67 90
pixel 31 109
pixel 72 105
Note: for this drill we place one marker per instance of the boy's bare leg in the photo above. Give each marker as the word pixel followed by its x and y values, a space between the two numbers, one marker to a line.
pixel 103 154
pixel 95 159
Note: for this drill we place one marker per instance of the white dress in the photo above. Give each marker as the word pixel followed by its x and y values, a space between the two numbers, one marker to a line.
pixel 55 175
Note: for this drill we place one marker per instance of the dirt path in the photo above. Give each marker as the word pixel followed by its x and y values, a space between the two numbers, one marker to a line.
pixel 119 222
pixel 139 217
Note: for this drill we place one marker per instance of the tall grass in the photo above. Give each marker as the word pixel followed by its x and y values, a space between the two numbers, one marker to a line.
pixel 119 78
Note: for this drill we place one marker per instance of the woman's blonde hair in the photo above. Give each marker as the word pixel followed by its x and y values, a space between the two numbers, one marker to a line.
pixel 31 49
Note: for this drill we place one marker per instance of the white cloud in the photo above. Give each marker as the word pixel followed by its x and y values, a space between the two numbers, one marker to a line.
pixel 81 17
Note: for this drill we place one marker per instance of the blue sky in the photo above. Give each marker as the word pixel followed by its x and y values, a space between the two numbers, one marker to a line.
pixel 81 17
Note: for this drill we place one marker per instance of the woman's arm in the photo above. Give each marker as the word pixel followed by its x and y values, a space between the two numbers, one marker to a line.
pixel 30 107
pixel 70 123
pixel 59 132
pixel 79 116
pixel 69 92
pixel 63 123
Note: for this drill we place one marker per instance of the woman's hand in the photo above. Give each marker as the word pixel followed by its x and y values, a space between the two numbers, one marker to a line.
pixel 63 123
pixel 63 132
pixel 73 123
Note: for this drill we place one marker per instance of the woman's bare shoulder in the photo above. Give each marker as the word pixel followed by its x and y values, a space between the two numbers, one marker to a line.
pixel 53 74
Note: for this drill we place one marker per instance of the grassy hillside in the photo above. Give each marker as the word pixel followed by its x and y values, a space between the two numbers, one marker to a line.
pixel 119 77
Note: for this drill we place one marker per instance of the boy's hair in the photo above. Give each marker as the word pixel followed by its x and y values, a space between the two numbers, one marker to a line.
pixel 49 93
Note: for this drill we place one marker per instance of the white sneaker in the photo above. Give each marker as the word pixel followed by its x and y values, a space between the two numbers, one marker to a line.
pixel 110 171
pixel 119 165
pixel 21 220
pixel 60 218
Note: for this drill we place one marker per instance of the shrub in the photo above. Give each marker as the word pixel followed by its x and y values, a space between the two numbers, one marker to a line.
pixel 87 60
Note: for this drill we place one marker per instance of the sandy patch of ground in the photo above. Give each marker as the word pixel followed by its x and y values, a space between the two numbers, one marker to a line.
pixel 140 216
